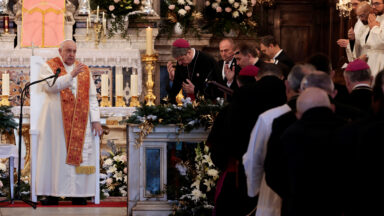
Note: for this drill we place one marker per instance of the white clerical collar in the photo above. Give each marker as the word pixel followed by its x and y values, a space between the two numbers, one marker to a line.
pixel 194 52
pixel 277 54
pixel 361 85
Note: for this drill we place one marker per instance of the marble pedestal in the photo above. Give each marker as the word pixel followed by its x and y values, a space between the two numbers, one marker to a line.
pixel 147 167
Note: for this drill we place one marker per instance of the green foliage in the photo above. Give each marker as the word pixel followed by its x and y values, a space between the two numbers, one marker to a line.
pixel 7 123
pixel 188 117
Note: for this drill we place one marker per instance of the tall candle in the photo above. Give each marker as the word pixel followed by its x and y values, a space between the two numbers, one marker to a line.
pixel 134 90
pixel 119 84
pixel 6 23
pixel 104 24
pixel 104 85
pixel 149 42
pixel 87 24
pixel 97 15
pixel 5 84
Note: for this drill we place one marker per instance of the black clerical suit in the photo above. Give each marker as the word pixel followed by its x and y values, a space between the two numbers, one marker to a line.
pixel 199 71
pixel 219 76
pixel 361 98
pixel 229 139
pixel 363 144
pixel 313 164
pixel 284 62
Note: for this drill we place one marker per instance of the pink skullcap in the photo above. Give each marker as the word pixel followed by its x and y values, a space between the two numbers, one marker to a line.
pixel 357 65
pixel 249 70
pixel 181 43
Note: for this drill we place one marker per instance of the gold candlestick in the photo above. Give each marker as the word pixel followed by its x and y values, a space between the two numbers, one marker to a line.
pixel 134 102
pixel 179 98
pixel 105 102
pixel 119 101
pixel 150 61
pixel 99 33
pixel 4 100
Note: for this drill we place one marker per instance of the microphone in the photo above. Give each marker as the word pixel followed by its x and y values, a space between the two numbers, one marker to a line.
pixel 58 71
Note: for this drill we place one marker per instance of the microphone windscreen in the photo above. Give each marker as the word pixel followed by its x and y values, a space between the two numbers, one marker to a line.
pixel 58 71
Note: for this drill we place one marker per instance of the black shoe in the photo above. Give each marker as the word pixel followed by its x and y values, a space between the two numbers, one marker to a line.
pixel 79 201
pixel 50 200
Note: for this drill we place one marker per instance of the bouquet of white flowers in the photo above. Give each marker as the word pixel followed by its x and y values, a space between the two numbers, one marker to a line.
pixel 3 177
pixel 226 15
pixel 113 174
pixel 197 199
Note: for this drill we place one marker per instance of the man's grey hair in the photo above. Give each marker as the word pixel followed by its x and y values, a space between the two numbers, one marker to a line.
pixel 358 76
pixel 297 74
pixel 64 41
pixel 179 51
pixel 318 79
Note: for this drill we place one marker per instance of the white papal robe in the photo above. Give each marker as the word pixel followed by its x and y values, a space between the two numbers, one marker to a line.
pixel 269 203
pixel 359 48
pixel 53 176
pixel 375 47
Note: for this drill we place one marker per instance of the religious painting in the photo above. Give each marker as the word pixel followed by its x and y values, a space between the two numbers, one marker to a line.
pixel 96 75
pixel 18 78
pixel 153 185
pixel 127 93
pixel 42 23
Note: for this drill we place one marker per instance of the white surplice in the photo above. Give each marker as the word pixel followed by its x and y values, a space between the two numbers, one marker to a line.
pixel 269 203
pixel 375 47
pixel 54 177
pixel 359 48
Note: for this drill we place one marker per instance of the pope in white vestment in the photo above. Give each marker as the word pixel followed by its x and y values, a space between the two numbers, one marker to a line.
pixel 56 176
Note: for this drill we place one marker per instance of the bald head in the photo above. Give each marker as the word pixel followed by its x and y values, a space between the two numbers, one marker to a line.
pixel 67 52
pixel 362 11
pixel 311 98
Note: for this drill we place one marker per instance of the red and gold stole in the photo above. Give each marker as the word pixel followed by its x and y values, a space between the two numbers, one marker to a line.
pixel 74 112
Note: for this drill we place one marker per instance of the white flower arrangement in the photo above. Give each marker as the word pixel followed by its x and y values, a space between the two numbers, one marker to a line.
pixel 198 197
pixel 226 15
pixel 113 174
pixel 181 13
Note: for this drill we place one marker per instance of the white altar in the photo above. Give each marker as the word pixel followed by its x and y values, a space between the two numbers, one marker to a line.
pixel 147 168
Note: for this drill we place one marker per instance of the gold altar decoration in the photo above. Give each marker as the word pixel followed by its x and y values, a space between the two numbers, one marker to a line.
pixel 26 137
pixel 179 98
pixel 134 102
pixel 4 100
pixel 105 102
pixel 150 61
pixel 99 27
pixel 119 101
pixel 344 7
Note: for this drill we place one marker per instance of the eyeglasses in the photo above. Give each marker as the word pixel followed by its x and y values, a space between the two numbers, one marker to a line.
pixel 376 4
pixel 362 16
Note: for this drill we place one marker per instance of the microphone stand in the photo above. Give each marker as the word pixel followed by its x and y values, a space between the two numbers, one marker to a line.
pixel 18 189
